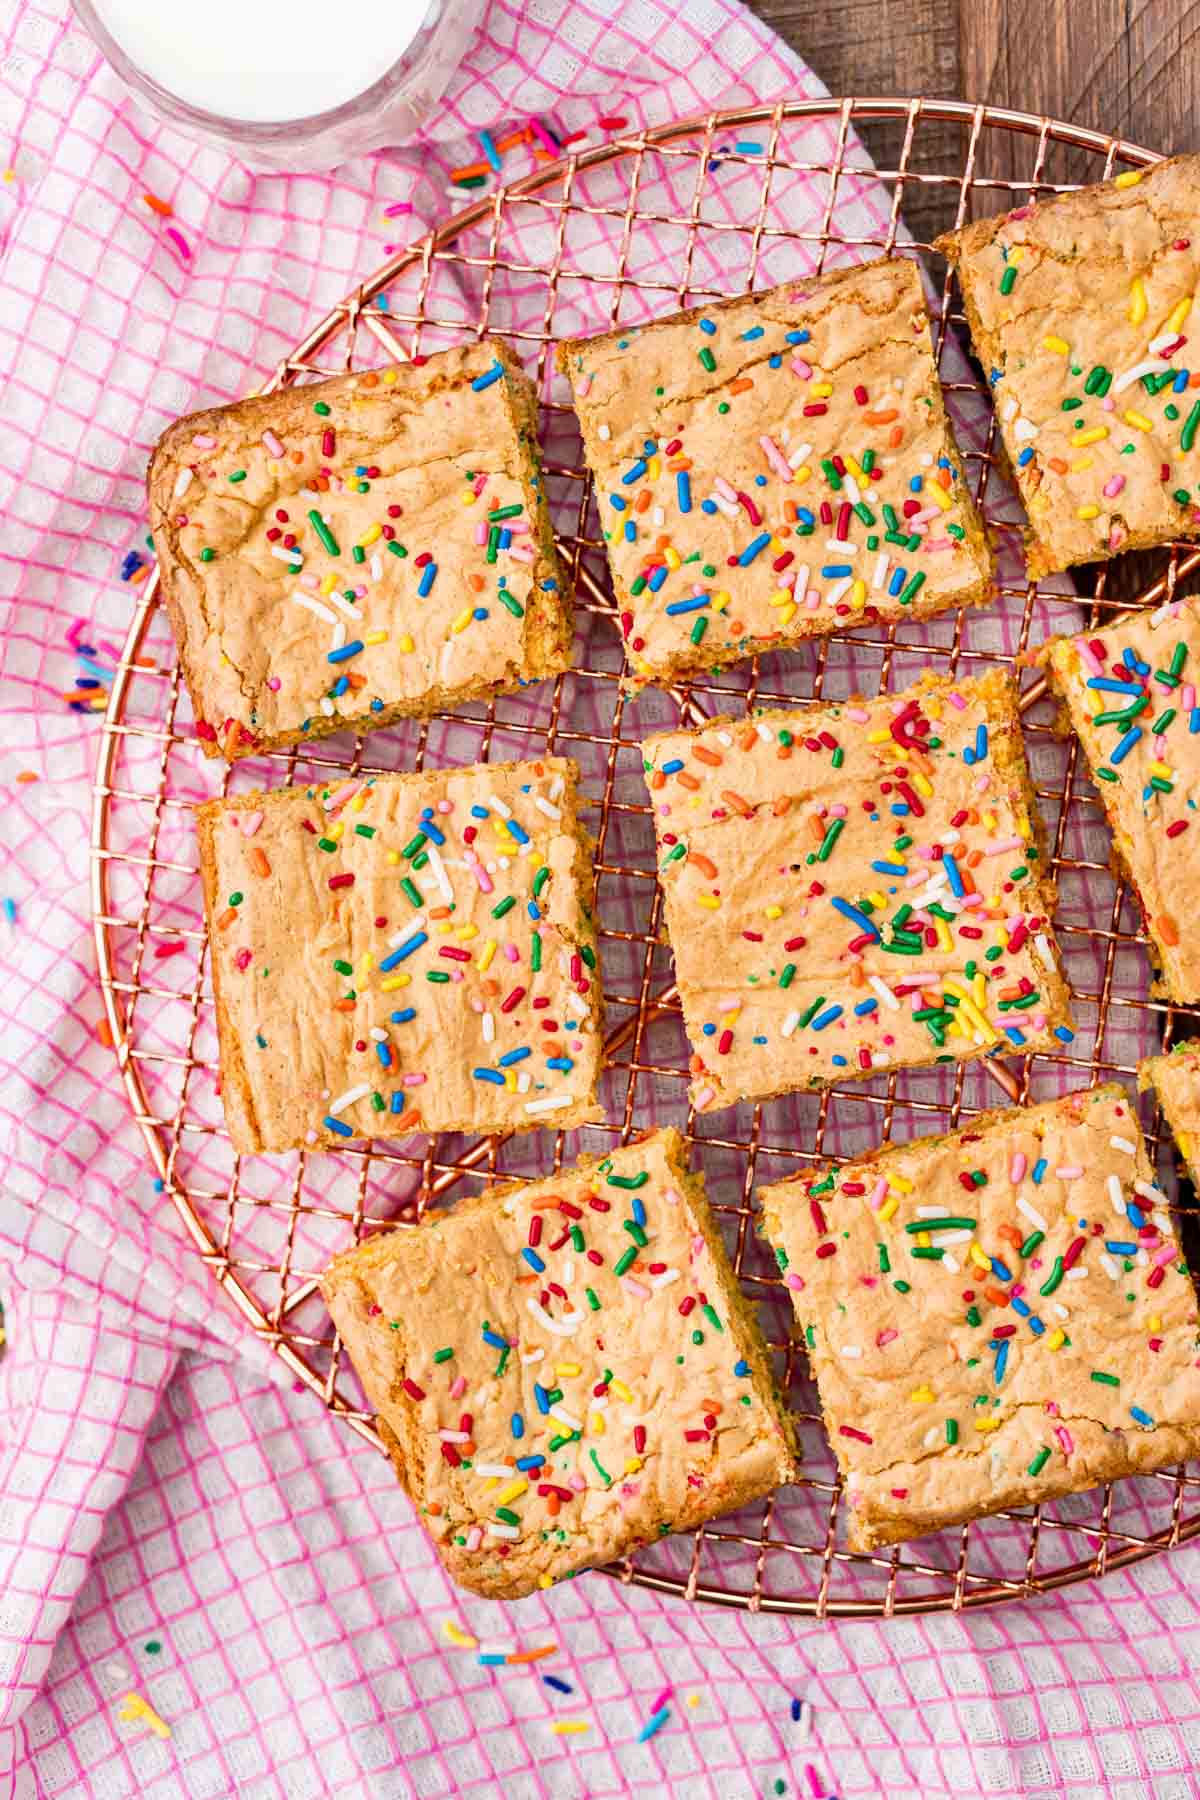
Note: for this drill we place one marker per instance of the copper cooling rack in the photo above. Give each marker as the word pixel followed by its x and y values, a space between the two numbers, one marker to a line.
pixel 655 220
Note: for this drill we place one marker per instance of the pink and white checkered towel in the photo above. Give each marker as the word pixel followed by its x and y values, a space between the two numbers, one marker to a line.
pixel 175 1522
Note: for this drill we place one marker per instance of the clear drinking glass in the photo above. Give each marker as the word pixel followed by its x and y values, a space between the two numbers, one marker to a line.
pixel 286 84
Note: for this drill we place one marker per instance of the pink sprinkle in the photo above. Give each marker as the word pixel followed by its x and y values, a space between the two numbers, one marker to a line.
pixel 522 553
pixel 274 683
pixel 1016 1168
pixel 1066 1441
pixel 803 370
pixel 775 457
pixel 481 533
pixel 180 242
pixel 204 443
pixel 459 1387
pixel 1164 1256
pixel 879 1195
pixel 400 207
pixel 251 823
pixel 1003 848
pixel 1188 696
pixel 885 1337
pixel 76 631
pixel 474 1537
pixel 838 812
pixel 858 714
pixel 272 443
pixel 636 1287
pixel 815 1783
pixel 512 953
pixel 795 1282
pixel 1113 486
pixel 667 1694
pixel 852 1431
pixel 671 1197
pixel 577 1484
pixel 340 796
pixel 543 137
pixel 704 1096
pixel 956 700
pixel 415 1080
pixel 1068 1172
pixel 481 875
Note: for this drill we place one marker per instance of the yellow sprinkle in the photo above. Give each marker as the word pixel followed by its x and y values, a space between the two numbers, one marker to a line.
pixel 672 557
pixel 568 1368
pixel 486 955
pixel 461 623
pixel 134 1707
pixel 1154 1322
pixel 878 737
pixel 720 601
pixel 945 941
pixel 468 496
pixel 568 1727
pixel 693 1700
pixel 877 899
pixel 392 857
pixel 466 932
pixel 596 1424
pixel 621 1391
pixel 987 1424
pixel 1059 345
pixel 1056 1340
pixel 513 1491
pixel 458 1636
pixel 406 644
pixel 1079 465
pixel 979 1259
pixel 393 982
pixel 801 475
pixel 632 1464
pixel 335 831
pixel 858 596
pixel 787 613
pixel 328 584
pixel 710 901
pixel 1128 178
pixel 1092 435
pixel 390 378
pixel 821 390
pixel 1139 420
pixel 922 784
pixel 781 597
pixel 653 468
pixel 901 1183
pixel 989 819
pixel 922 1396
pixel 1138 305
pixel 933 490
pixel 376 637
pixel 367 963
pixel 1177 315
pixel 888 1208
pixel 510 1081
pixel 1162 771
pixel 934 708
pixel 856 469
pixel 370 534
pixel 773 912
pixel 924 1240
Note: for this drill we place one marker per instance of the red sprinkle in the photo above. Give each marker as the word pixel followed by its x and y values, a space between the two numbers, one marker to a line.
pixel 341 881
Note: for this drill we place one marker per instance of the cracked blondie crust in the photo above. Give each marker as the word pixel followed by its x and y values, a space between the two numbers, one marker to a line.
pixel 564 1370
pixel 403 953
pixel 340 556
pixel 1130 693
pixel 856 887
pixel 994 1317
pixel 776 467
pixel 1081 312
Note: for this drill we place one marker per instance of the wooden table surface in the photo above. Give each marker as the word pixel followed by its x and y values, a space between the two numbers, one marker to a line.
pixel 1121 66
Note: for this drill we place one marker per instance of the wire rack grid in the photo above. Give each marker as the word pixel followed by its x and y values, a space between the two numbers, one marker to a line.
pixel 650 222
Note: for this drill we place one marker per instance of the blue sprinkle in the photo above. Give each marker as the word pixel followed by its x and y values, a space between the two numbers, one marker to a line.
pixel 639 1212
pixel 619 501
pixel 636 472
pixel 708 506
pixel 654 1723
pixel 899 577
pixel 480 812
pixel 805 517
pixel 797 1708
pixel 492 1075
pixel 332 1124
pixel 1026 456
pixel 854 914
pixel 630 532
pixel 1135 663
pixel 748 337
pixel 956 881
pixel 673 767
pixel 747 147
pixel 560 1687
pixel 340 686
pixel 517 1425
pixel 887 868
pixel 384 1054
pixel 864 1007
pixel 1107 686
pixel 398 1101
pixel 1019 1306
pixel 683 491
pixel 1116 1247
pixel 753 548
pixel 999 1270
pixel 518 831
pixel 490 1659
pixel 741 1368
pixel 1035 1325
pixel 1001 1360
pixel 1194 720
pixel 696 604
pixel 797 337
pixel 428 577
pixel 562 1063
pixel 1121 750
pixel 533 1259
pixel 1137 1217
pixel 495 1340
pixel 485 380
pixel 832 570
pixel 1143 1418
pixel 525 1463
pixel 1180 382
pixel 916 483
pixel 839 1062
pixel 402 950
pixel 432 831
pixel 827 1017
pixel 655 581
pixel 542 1397
pixel 708 326
pixel 1039 1170
pixel 515 1056
pixel 1014 1035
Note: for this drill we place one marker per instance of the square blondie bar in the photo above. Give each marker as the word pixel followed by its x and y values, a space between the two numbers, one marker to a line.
pixel 564 1370
pixel 776 467
pixel 1130 693
pixel 405 953
pixel 856 887
pixel 1080 307
pixel 993 1318
pixel 1175 1078
pixel 340 556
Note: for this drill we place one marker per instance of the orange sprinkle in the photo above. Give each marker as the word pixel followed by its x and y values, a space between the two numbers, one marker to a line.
pixel 895 437
pixel 1168 930
pixel 703 754
pixel 227 918
pixel 524 1656
pixel 408 1121
pixel 783 751
pixel 748 738
pixel 706 866
pixel 658 779
pixel 687 781
pixel 475 583
pixel 552 1506
pixel 741 385
pixel 643 501
pixel 490 987
pixel 1010 1234
pixel 782 805
pixel 24 775
pixel 163 208
pixel 370 379
pixel 231 737
pixel 886 417
pixel 736 801
pixel 996 1295
pixel 258 860
pixel 343 1006
pixel 857 974
pixel 1057 464
pixel 104 1033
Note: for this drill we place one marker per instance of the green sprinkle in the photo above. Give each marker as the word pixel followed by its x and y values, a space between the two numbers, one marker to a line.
pixel 440 1356
pixel 590 1296
pixel 1031 1243
pixel 320 407
pixel 885 1261
pixel 508 1515
pixel 511 604
pixel 238 475
pixel 603 1473
pixel 436 975
pixel 712 1318
pixel 636 1233
pixel 377 1102
pixel 207 555
pixel 708 359
pixel 629 1181
pixel 952 1431
pixel 326 844
pixel 625 1260
pixel 343 968
pixel 831 836
pixel 396 549
pixel 1040 1460
pixel 535 952
pixel 323 532
pixel 699 628
pixel 503 906
pixel 1106 1380
pixel 787 975
pixel 973 1316
pixel 947 1224
pixel 1008 282
pixel 927 1252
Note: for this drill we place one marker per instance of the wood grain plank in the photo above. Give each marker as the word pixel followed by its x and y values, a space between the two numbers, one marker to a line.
pixel 900 47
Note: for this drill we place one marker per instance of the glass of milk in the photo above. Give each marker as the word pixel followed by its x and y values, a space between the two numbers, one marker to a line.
pixel 286 84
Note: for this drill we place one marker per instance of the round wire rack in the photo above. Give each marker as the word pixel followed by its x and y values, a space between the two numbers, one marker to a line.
pixel 635 229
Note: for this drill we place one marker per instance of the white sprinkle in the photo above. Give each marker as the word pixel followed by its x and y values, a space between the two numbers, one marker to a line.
pixel 881 569
pixel 603 432
pixel 499 806
pixel 533 1356
pixel 850 489
pixel 378 1033
pixel 351 611
pixel 498 1646
pixel 565 1418
pixel 1031 1213
pixel 665 1279
pixel 885 994
pixel 490 1468
pixel 839 589
pixel 1115 1194
pixel 315 606
pixel 182 482
pixel 455 1437
pixel 544 806
pixel 495 1529
pixel 799 454
pixel 377 567
pixel 658 516
pixel 551 1103
pixel 489 1028
pixel 951 1262
pixel 851 1350
pixel 564 1327
pixel 1009 409
pixel 439 872
pixel 1148 1191
pixel 349 1098
pixel 339 634
pixel 292 558
pixel 1025 428
pixel 1127 377
pixel 1163 1222
pixel 789 1024
pixel 932 1436
pixel 327 706
pixel 1077 1273
pixel 764 732
pixel 1109 1266
pixel 1058 1309
pixel 524 1081
pixel 841 544
pixel 558 788
pixel 1043 949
